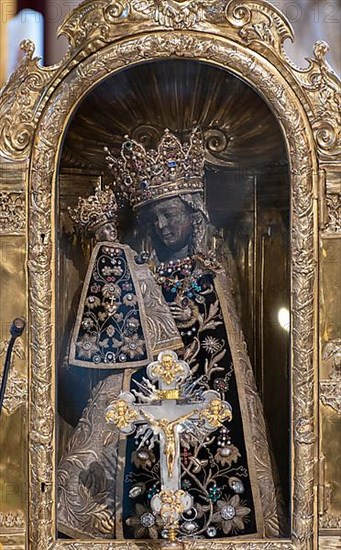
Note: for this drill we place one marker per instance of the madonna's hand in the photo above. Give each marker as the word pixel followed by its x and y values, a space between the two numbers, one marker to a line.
pixel 179 313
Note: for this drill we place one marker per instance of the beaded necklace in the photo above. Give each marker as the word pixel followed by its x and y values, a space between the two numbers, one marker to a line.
pixel 182 277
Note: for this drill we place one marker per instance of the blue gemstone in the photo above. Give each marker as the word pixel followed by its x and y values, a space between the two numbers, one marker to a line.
pixel 144 184
pixel 172 163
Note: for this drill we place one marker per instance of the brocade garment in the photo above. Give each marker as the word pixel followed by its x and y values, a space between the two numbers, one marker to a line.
pixel 106 481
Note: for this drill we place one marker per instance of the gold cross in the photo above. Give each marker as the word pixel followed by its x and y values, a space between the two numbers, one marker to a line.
pixel 167 411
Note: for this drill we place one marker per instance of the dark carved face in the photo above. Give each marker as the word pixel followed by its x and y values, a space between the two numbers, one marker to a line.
pixel 172 222
pixel 107 232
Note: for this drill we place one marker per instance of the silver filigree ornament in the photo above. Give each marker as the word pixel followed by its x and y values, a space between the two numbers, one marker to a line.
pixel 147 520
pixel 228 512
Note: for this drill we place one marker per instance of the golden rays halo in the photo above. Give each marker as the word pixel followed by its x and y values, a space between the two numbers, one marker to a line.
pixel 143 100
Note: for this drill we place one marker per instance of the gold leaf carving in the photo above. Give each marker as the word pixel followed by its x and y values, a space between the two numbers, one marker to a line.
pixel 330 394
pixel 81 25
pixel 94 20
pixel 175 14
pixel 17 386
pixel 284 103
pixel 19 102
pixel 188 545
pixel 12 213
pixel 260 22
pixel 107 546
pixel 16 392
pixel 333 203
pixel 93 23
pixel 100 21
pixel 12 520
pixel 330 521
pixel 322 86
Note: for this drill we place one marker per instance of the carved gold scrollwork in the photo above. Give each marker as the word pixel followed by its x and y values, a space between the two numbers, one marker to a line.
pixel 330 201
pixel 323 89
pixel 208 545
pixel 19 103
pixel 330 521
pixel 94 21
pixel 16 392
pixel 80 26
pixel 217 141
pixel 258 22
pixel 12 213
pixel 115 12
pixel 12 520
pixel 17 386
pixel 333 203
pixel 327 520
pixel 176 14
pixel 330 394
pixel 190 545
pixel 108 546
pixel 255 23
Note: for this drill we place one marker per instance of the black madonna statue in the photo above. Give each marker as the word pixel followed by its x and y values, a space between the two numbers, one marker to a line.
pixel 106 481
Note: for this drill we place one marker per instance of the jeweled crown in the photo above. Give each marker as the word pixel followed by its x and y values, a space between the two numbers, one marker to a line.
pixel 142 176
pixel 96 210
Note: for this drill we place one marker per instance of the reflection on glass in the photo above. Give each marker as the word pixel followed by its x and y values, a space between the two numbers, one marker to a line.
pixel 284 318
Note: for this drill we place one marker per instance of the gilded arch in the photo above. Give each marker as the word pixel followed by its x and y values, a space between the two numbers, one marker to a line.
pixel 249 43
pixel 302 170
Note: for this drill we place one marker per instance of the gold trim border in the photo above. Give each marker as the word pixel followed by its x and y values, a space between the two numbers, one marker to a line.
pixel 41 199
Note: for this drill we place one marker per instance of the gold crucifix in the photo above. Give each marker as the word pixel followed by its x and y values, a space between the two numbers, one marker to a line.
pixel 168 413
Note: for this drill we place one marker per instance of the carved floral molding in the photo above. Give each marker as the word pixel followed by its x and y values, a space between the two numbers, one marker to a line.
pixel 333 204
pixel 330 521
pixel 330 389
pixel 16 392
pixel 172 13
pixel 11 520
pixel 255 24
pixel 330 394
pixel 12 213
pixel 17 385
pixel 323 90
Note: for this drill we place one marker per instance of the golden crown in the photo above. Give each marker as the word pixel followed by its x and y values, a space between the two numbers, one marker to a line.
pixel 96 210
pixel 143 176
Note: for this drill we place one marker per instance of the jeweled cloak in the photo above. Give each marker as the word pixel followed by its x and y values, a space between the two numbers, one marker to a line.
pixel 106 482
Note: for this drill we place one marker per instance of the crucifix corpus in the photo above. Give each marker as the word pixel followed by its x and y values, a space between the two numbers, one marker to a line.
pixel 167 405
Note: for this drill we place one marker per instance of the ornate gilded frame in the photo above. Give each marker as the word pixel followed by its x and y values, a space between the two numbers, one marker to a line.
pixel 36 106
